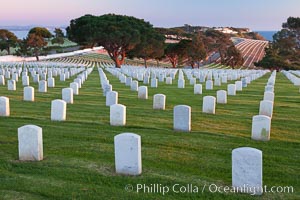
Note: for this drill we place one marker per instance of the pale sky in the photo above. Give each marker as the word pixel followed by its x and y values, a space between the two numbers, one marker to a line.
pixel 254 14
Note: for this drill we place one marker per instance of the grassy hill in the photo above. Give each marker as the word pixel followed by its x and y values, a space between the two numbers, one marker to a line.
pixel 79 153
pixel 67 44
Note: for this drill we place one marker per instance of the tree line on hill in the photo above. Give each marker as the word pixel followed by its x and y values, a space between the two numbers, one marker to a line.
pixel 284 51
pixel 34 44
pixel 126 36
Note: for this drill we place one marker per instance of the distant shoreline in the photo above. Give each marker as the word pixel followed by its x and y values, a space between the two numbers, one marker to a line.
pixel 268 35
pixel 22 31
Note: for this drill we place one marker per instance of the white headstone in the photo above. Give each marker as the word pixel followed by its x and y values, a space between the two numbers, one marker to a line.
pixel 49 74
pixel 209 104
pixel 239 85
pixel 15 77
pixel 75 88
pixel 244 82
pixel 36 78
pixel 28 93
pixel 193 81
pixel 107 88
pixel 261 128
pixel 51 82
pixel 44 76
pixel 231 89
pixel 181 83
pixel 222 96
pixel 134 86
pixel 202 78
pixel 143 92
pixel 67 95
pixel 154 83
pixel 169 80
pixel 182 118
pixel 30 143
pixel 25 80
pixel 159 101
pixel 209 85
pixel 42 86
pixel 247 170
pixel 2 80
pixel 111 98
pixel 146 80
pixel 117 115
pixel 217 82
pixel 266 108
pixel 58 110
pixel 78 81
pixel 161 78
pixel 269 96
pixel 62 77
pixel 197 89
pixel 7 75
pixel 4 106
pixel 224 79
pixel 128 156
pixel 128 81
pixel 11 85
pixel 269 88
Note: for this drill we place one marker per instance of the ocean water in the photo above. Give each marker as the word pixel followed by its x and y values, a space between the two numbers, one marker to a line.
pixel 267 34
pixel 21 34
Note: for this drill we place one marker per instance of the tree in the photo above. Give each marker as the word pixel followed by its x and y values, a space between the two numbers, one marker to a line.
pixel 59 33
pixel 150 47
pixel 40 31
pixel 58 37
pixel 7 40
pixel 118 34
pixel 36 43
pixel 175 51
pixel 233 57
pixel 196 50
pixel 83 30
pixel 284 52
pixel 23 48
pixel 219 42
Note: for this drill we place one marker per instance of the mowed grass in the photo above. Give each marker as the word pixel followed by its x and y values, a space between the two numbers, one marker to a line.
pixel 79 153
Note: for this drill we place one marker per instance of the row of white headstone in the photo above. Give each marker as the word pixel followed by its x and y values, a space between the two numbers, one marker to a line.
pixel 126 76
pixel 290 75
pixel 181 113
pixel 246 162
pixel 42 84
pixel 58 107
pixel 261 124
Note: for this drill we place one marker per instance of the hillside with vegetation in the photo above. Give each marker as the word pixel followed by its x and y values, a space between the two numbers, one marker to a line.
pixel 284 52
pixel 231 31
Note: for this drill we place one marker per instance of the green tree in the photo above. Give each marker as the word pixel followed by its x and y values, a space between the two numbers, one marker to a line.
pixel 36 43
pixel 23 48
pixel 176 51
pixel 118 34
pixel 196 50
pixel 7 40
pixel 59 33
pixel 284 52
pixel 219 42
pixel 83 30
pixel 233 57
pixel 58 37
pixel 151 46
pixel 40 31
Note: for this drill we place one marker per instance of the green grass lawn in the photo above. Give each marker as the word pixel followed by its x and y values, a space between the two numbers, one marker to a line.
pixel 79 153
